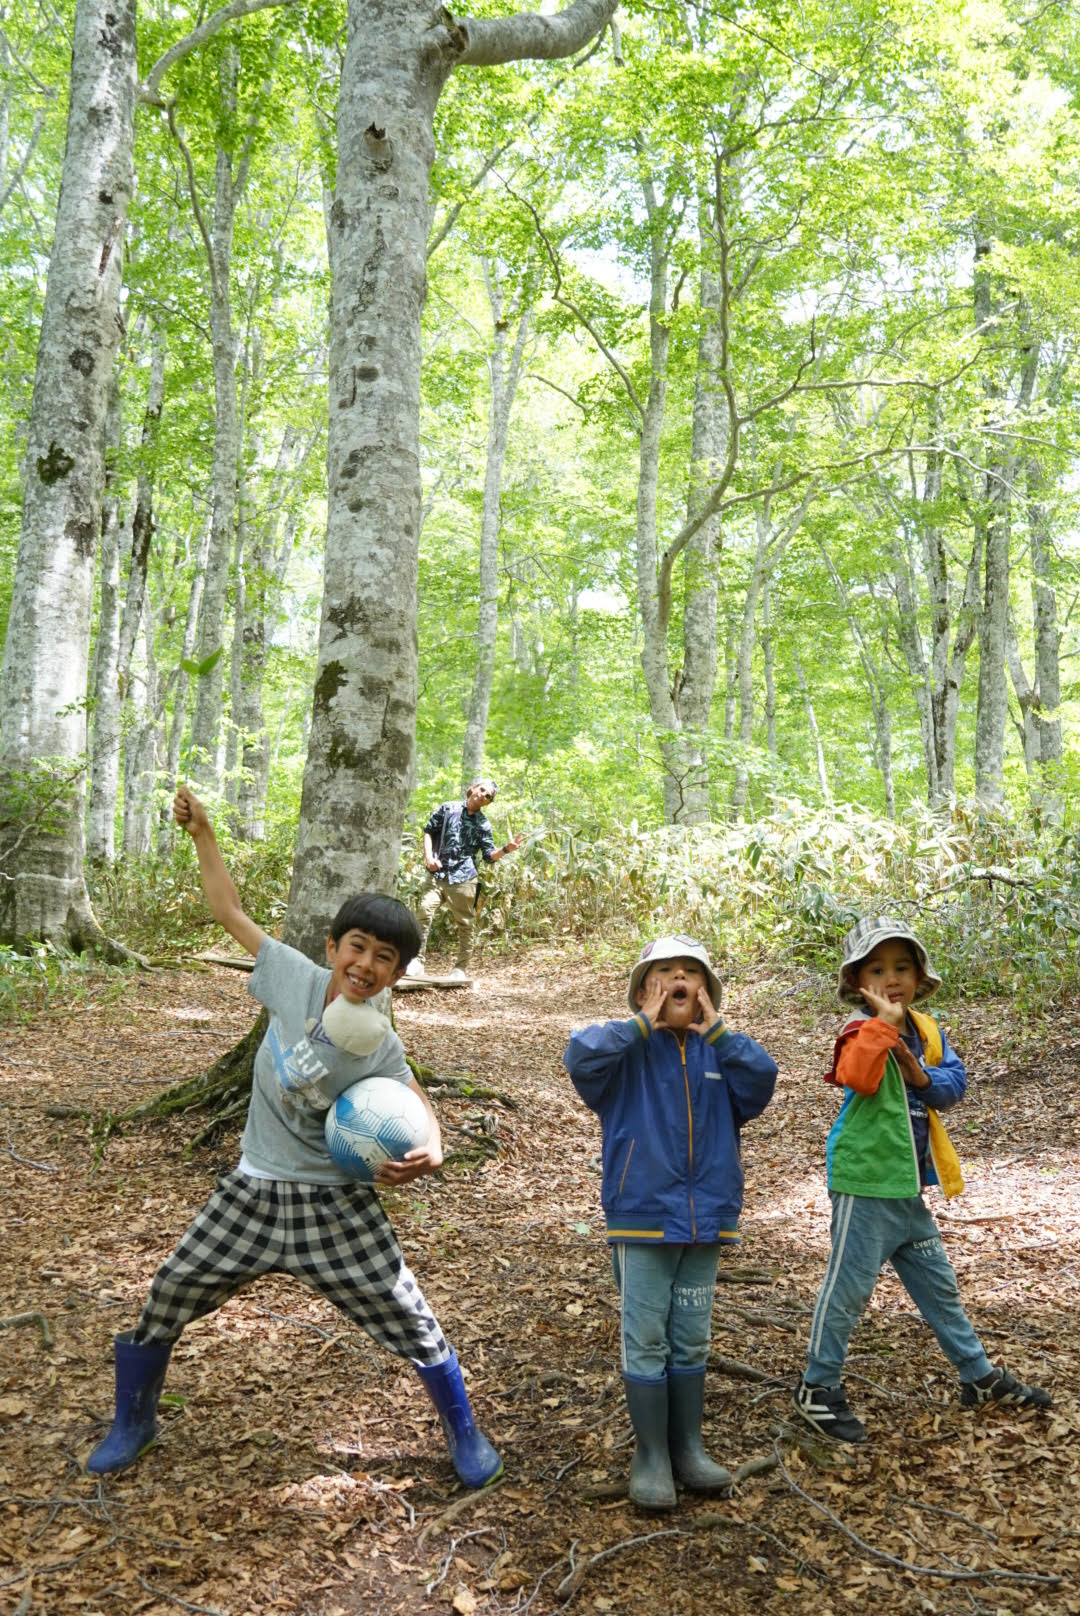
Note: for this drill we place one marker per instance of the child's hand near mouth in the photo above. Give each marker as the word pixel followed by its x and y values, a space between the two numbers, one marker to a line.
pixel 708 1016
pixel 652 1004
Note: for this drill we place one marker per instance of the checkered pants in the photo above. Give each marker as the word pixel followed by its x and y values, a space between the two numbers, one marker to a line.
pixel 336 1238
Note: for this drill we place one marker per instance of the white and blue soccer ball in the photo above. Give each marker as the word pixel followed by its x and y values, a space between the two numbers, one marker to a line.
pixel 374 1121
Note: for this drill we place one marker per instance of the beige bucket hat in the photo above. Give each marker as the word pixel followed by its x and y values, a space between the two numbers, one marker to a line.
pixel 676 946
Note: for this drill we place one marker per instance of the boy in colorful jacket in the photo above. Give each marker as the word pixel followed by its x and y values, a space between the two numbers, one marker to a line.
pixel 672 1088
pixel 888 1142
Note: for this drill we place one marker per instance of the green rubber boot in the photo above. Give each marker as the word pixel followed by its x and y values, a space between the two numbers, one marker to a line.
pixel 689 1461
pixel 651 1483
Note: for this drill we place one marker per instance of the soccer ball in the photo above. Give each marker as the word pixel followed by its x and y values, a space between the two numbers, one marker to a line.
pixel 373 1121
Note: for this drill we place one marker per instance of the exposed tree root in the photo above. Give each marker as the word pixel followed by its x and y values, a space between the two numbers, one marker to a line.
pixel 17 1319
pixel 222 1094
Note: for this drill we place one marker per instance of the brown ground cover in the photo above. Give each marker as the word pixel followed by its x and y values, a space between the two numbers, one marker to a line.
pixel 302 1471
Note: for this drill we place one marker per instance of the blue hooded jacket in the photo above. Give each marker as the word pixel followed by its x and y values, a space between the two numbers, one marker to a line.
pixel 670 1111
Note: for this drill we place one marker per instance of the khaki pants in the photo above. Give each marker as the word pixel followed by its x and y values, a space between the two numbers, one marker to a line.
pixel 460 900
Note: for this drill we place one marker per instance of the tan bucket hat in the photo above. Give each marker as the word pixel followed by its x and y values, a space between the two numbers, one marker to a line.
pixel 676 946
pixel 865 937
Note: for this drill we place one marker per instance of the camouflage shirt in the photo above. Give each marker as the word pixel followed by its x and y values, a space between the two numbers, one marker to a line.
pixel 456 838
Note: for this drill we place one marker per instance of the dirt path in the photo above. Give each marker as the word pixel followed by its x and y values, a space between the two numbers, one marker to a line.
pixel 300 1471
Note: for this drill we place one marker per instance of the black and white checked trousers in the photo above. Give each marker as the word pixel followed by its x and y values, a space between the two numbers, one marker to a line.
pixel 336 1238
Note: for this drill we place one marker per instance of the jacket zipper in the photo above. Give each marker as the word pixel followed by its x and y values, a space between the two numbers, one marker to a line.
pixel 690 1122
pixel 910 1126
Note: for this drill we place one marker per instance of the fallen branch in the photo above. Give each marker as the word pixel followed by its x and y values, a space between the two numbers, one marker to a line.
pixel 17 1319
pixel 749 1316
pixel 990 1574
pixel 743 1276
pixel 458 1507
pixel 577 1574
pixel 163 1593
pixel 756 1467
pixel 740 1371
pixel 821 1454
pixel 24 1161
pixel 235 962
pixel 939 1509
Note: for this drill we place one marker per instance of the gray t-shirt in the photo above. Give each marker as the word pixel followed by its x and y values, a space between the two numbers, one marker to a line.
pixel 278 1141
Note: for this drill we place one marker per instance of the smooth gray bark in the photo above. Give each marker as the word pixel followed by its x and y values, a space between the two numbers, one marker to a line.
pixel 140 743
pixel 994 521
pixel 229 186
pixel 815 732
pixel 105 693
pixel 178 685
pixel 770 544
pixel 709 440
pixel 43 682
pixel 363 714
pixel 113 652
pixel 504 372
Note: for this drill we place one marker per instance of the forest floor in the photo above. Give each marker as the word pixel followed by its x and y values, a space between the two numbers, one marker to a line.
pixel 300 1470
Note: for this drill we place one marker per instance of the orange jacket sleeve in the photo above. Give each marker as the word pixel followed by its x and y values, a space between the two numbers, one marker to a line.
pixel 861 1055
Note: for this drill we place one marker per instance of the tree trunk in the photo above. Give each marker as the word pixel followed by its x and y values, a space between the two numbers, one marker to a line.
pixel 363 714
pixel 180 685
pixel 44 677
pixel 811 719
pixel 228 188
pixel 710 435
pixel 140 745
pixel 111 682
pixel 105 706
pixel 1047 716
pixel 503 387
pixel 994 521
pixel 768 656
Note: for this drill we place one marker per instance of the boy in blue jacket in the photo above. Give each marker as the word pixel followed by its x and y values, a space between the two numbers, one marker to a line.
pixel 672 1088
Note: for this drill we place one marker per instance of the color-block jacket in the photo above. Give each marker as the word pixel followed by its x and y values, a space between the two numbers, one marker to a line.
pixel 670 1111
pixel 871 1147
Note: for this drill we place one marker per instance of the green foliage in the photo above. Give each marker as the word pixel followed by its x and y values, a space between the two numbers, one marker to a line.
pixel 998 906
pixel 44 976
pixel 157 905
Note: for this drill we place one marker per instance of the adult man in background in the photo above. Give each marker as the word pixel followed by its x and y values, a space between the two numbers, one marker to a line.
pixel 453 837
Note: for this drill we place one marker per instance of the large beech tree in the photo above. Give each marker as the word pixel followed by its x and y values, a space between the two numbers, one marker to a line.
pixel 359 765
pixel 46 653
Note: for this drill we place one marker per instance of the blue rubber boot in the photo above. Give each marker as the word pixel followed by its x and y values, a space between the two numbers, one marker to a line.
pixel 140 1375
pixel 471 1454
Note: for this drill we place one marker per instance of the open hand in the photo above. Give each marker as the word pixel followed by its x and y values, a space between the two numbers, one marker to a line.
pixel 893 1015
pixel 708 1015
pixel 652 1005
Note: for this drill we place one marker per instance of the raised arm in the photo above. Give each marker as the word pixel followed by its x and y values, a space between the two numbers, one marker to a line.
pixel 221 895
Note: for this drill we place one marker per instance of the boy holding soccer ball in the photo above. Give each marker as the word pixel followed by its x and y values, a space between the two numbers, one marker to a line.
pixel 672 1087
pixel 288 1207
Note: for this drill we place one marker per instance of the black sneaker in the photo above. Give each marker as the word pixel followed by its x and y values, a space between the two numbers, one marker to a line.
pixel 826 1408
pixel 1001 1387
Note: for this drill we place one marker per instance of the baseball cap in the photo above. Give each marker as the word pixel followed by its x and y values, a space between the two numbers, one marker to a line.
pixel 677 946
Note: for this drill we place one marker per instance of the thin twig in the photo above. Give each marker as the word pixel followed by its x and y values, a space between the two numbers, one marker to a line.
pixel 458 1507
pixel 576 1576
pixel 939 1509
pixel 163 1593
pixel 24 1161
pixel 988 1575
